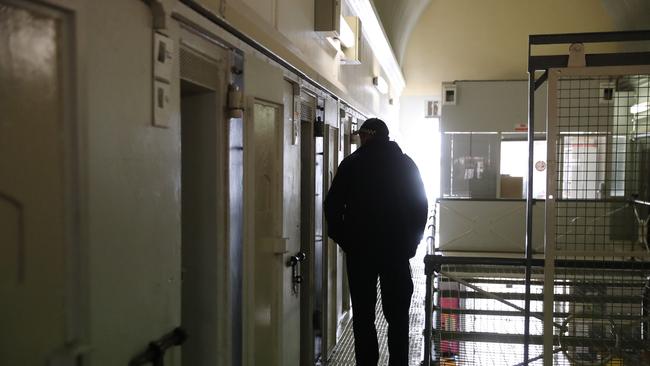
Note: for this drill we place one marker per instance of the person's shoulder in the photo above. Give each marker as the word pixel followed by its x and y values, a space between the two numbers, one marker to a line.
pixel 408 160
pixel 348 161
pixel 352 158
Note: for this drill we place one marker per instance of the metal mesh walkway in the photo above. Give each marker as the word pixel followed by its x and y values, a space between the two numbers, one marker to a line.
pixel 343 353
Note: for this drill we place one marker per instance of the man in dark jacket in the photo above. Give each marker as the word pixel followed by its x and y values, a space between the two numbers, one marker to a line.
pixel 376 210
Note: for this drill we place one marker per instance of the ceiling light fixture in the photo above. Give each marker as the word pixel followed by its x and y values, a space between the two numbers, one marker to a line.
pixel 346 35
pixel 378 42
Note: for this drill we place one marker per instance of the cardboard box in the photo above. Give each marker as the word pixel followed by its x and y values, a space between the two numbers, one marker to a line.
pixel 512 187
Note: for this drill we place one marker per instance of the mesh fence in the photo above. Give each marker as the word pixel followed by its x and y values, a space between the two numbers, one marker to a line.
pixel 596 241
pixel 600 219
pixel 479 315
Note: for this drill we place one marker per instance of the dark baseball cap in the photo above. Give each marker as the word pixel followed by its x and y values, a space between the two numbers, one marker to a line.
pixel 373 126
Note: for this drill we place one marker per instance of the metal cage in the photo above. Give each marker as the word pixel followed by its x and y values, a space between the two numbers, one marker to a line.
pixel 585 299
pixel 596 210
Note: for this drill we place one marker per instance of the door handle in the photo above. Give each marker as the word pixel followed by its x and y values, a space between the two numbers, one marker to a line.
pixel 294 262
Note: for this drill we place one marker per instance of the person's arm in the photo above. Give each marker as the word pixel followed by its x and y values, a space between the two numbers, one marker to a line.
pixel 334 204
pixel 419 203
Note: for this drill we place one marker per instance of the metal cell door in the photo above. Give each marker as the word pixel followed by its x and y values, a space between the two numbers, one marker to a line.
pixel 36 233
pixel 268 242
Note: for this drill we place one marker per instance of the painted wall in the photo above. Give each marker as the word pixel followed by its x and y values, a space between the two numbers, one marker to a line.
pixel 286 27
pixel 132 173
pixel 492 106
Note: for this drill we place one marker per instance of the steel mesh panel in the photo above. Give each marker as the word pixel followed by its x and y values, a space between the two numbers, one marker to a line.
pixel 599 219
pixel 479 317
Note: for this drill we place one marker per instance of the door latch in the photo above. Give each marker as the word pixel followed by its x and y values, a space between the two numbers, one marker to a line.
pixel 294 262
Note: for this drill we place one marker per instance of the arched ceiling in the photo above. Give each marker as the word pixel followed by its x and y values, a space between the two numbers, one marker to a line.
pixel 399 17
pixel 446 40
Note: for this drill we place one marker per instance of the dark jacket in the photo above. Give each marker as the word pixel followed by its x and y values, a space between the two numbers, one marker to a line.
pixel 377 203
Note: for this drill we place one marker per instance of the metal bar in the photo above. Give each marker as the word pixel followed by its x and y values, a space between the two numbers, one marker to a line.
pixel 489 337
pixel 428 324
pixel 598 59
pixel 508 313
pixel 541 80
pixel 529 209
pixel 606 265
pixel 486 337
pixel 499 281
pixel 639 202
pixel 629 299
pixel 435 261
pixel 590 37
pixel 437 300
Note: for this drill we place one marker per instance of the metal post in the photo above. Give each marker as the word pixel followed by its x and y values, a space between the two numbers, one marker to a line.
pixel 428 313
pixel 529 204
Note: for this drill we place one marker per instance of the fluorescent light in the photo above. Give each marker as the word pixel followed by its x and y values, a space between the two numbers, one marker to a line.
pixel 639 108
pixel 380 84
pixel 346 35
pixel 378 42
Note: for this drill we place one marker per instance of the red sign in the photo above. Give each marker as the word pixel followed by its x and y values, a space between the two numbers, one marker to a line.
pixel 521 127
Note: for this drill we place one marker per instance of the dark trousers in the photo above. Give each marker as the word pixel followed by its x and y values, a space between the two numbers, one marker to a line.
pixel 396 290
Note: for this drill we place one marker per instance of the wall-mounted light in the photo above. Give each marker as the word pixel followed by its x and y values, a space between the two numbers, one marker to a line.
pixel 380 84
pixel 639 108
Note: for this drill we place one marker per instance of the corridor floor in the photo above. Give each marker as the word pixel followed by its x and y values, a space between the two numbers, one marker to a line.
pixel 343 353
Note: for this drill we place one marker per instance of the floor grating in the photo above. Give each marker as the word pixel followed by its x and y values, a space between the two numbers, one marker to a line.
pixel 343 353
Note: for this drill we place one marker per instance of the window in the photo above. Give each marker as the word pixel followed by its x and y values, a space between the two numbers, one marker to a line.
pixel 514 163
pixel 469 165
pixel 583 162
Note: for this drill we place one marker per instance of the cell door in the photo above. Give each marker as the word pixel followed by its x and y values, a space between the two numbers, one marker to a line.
pixel 37 247
pixel 268 242
pixel 291 288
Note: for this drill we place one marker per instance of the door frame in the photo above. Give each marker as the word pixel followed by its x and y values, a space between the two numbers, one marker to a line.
pixel 307 234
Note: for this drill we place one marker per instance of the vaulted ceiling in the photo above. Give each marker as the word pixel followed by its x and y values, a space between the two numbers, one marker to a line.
pixel 446 40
